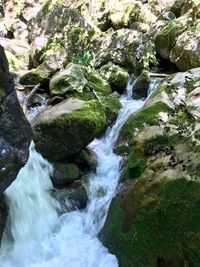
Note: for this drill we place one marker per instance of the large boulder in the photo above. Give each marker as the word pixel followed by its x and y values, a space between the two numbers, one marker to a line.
pixel 186 52
pixel 15 131
pixel 120 14
pixel 125 47
pixel 15 134
pixel 166 38
pixel 86 84
pixel 64 129
pixel 78 81
pixel 160 195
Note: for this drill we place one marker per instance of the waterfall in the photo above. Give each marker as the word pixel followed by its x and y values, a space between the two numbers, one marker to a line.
pixel 36 236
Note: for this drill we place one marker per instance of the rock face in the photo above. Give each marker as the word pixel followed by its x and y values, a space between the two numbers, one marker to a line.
pixel 15 131
pixel 15 135
pixel 124 47
pixel 179 39
pixel 3 215
pixel 156 209
pixel 66 128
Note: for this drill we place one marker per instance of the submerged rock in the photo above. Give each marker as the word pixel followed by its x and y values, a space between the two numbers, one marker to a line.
pixel 65 174
pixel 86 160
pixel 66 128
pixel 71 198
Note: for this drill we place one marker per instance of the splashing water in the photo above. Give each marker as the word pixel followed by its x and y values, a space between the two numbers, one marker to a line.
pixel 36 236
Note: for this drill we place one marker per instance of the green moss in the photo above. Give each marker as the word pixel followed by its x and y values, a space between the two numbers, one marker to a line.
pixel 96 82
pixel 88 113
pixel 39 75
pixel 164 235
pixel 111 105
pixel 148 115
pixel 136 163
pixel 54 45
pixel 116 76
pixel 83 58
pixel 14 62
pixel 190 84
pixel 166 39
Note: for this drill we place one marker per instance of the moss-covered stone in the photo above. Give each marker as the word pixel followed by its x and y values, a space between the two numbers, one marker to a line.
pixel 13 61
pixel 116 76
pixel 166 38
pixel 78 80
pixel 148 115
pixel 66 128
pixel 186 52
pixel 65 174
pixel 141 85
pixel 166 235
pixel 154 219
pixel 39 75
pixel 111 106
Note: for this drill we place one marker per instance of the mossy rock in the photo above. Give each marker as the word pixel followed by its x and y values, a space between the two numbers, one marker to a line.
pixel 111 106
pixel 13 61
pixel 66 128
pixel 166 38
pixel 154 220
pixel 65 174
pixel 116 76
pixel 148 115
pixel 39 75
pixel 141 85
pixel 77 80
pixel 186 52
pixel 69 80
pixel 167 234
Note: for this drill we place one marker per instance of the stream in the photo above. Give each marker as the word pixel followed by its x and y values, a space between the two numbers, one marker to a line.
pixel 36 236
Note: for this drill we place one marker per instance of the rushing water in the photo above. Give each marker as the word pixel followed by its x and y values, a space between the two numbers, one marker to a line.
pixel 36 236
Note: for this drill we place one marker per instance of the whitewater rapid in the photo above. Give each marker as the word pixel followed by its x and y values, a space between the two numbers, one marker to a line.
pixel 36 236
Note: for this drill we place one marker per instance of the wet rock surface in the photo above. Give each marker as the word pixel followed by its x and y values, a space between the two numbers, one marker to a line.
pixel 15 131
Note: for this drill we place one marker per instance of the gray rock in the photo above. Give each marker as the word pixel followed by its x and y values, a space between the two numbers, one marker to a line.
pixel 71 198
pixel 15 131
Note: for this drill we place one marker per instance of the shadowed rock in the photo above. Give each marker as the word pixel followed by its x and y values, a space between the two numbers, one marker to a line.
pixel 15 131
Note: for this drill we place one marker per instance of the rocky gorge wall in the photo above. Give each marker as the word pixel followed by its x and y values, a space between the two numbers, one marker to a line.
pixel 79 55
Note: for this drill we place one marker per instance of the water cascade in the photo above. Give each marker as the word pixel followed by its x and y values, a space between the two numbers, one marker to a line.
pixel 36 236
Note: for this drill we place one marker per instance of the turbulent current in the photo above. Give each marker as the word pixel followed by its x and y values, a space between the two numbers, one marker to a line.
pixel 36 236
